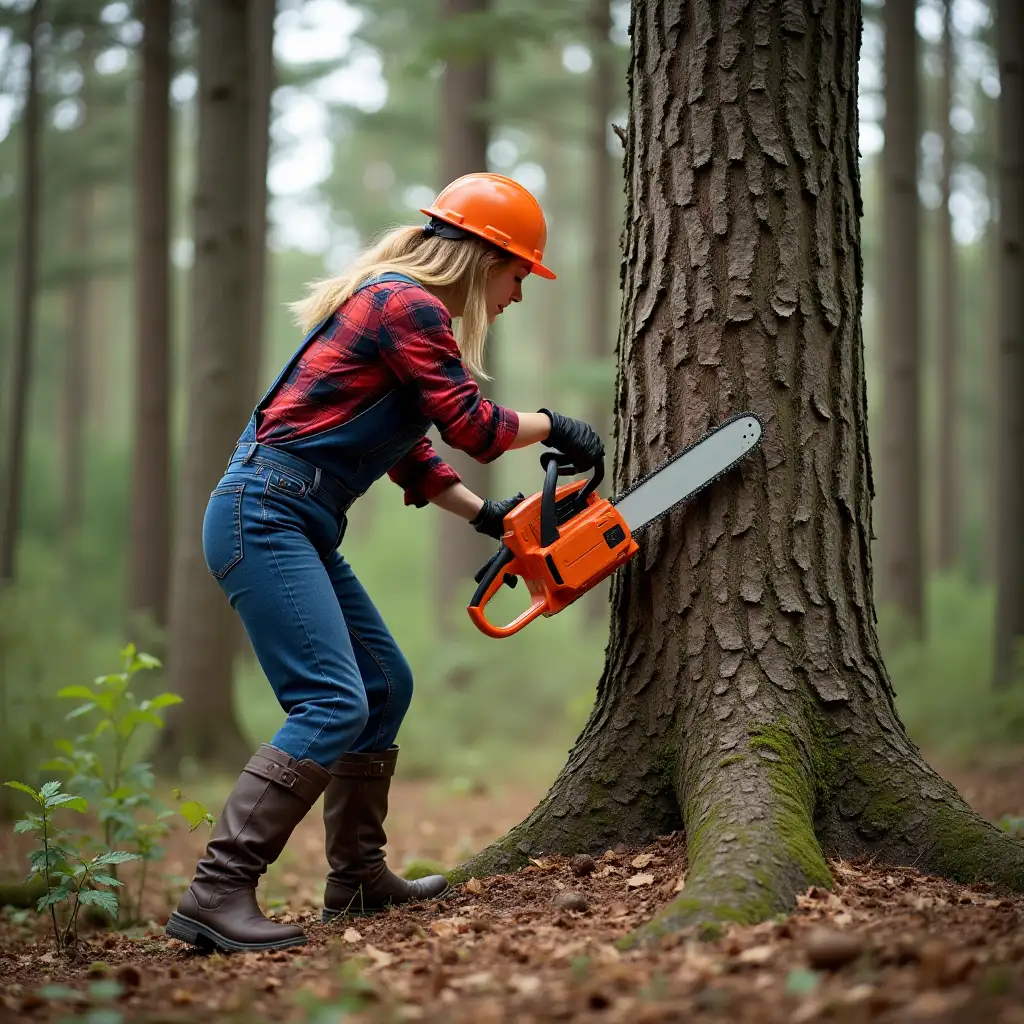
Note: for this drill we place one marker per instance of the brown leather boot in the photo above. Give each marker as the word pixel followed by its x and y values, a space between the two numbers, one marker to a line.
pixel 355 806
pixel 219 909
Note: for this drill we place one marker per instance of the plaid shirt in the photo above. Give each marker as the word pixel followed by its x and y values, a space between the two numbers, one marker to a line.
pixel 387 336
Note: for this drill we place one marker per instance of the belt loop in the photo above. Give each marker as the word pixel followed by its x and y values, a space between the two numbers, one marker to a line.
pixel 316 480
pixel 251 452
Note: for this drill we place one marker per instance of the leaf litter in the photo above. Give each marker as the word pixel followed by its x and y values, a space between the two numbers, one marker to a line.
pixel 540 945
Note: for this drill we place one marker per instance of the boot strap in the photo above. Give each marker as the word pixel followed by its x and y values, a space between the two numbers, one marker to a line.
pixel 363 766
pixel 277 767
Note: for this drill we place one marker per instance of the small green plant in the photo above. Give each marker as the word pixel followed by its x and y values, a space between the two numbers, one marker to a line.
pixel 103 767
pixel 71 878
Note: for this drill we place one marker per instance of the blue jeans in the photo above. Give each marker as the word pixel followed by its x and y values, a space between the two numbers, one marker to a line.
pixel 270 537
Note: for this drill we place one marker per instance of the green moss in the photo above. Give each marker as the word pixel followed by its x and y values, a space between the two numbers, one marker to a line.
pixel 795 797
pixel 967 848
pixel 731 759
pixel 421 868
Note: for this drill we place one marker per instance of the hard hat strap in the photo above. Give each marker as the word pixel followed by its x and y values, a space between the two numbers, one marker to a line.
pixel 442 229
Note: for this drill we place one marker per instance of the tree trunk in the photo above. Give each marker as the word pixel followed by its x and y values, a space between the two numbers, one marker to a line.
pixel 150 519
pixel 744 696
pixel 599 343
pixel 1010 399
pixel 25 298
pixel 900 543
pixel 261 73
pixel 948 498
pixel 75 390
pixel 465 86
pixel 202 637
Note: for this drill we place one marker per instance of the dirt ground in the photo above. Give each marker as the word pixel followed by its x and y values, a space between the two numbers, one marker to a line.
pixel 540 945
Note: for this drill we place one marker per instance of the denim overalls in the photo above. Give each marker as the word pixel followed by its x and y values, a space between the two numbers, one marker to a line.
pixel 270 536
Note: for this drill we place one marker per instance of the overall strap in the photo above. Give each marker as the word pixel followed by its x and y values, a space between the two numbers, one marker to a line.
pixel 390 275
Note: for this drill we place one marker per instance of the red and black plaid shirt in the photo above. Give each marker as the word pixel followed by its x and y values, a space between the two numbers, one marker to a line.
pixel 373 344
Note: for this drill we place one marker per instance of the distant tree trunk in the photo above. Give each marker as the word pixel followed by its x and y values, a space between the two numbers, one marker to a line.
pixel 900 542
pixel 1009 438
pixel 599 340
pixel 25 299
pixel 465 133
pixel 948 436
pixel 261 74
pixel 744 696
pixel 150 515
pixel 75 391
pixel 202 637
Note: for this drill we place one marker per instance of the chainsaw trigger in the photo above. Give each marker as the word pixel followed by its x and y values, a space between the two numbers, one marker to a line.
pixel 510 580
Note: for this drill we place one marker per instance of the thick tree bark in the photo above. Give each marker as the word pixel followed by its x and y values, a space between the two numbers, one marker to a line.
pixel 744 695
pixel 150 514
pixel 1010 360
pixel 25 299
pixel 202 637
pixel 948 497
pixel 901 581
pixel 465 133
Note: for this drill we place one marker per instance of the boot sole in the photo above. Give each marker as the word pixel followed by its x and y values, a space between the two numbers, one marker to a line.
pixel 202 936
pixel 327 915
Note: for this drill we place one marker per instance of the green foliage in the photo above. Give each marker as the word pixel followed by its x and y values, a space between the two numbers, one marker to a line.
pixel 943 683
pixel 73 878
pixel 106 778
pixel 102 764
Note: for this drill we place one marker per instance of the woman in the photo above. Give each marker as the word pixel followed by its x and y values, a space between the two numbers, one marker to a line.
pixel 379 365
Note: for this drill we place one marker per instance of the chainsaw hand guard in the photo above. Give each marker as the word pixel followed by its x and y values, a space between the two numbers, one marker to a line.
pixel 561 541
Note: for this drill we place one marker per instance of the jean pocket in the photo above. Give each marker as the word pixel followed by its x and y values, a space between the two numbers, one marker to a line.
pixel 222 529
pixel 279 482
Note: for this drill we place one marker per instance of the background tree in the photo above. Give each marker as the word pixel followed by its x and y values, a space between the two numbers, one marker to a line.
pixel 900 533
pixel 949 484
pixel 21 356
pixel 1009 438
pixel 744 693
pixel 150 515
pixel 202 632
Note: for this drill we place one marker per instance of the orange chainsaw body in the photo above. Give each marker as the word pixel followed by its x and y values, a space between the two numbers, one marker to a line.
pixel 592 542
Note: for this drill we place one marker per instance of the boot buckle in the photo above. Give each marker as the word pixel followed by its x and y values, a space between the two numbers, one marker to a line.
pixel 287 778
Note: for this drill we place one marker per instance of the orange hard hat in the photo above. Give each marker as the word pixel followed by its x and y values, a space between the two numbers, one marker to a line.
pixel 498 209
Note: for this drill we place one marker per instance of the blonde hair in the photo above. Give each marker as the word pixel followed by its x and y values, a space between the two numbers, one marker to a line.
pixel 464 264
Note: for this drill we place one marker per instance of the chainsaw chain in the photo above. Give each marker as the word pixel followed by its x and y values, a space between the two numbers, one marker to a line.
pixel 707 483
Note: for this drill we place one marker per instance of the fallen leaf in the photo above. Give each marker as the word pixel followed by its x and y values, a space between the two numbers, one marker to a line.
pixel 640 879
pixel 525 984
pixel 641 860
pixel 351 935
pixel 475 886
pixel 679 885
pixel 378 956
pixel 182 997
pixel 756 955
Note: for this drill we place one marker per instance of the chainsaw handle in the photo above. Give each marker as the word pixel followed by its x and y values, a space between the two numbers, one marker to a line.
pixel 555 465
pixel 499 570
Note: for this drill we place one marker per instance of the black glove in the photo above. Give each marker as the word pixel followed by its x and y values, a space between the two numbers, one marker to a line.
pixel 490 520
pixel 576 439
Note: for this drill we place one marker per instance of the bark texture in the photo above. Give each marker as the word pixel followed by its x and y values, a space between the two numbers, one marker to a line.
pixel 1010 357
pixel 947 435
pixel 203 638
pixel 901 581
pixel 744 695
pixel 150 518
pixel 25 299
pixel 465 133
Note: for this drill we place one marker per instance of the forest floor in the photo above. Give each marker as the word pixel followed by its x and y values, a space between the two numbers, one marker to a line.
pixel 883 945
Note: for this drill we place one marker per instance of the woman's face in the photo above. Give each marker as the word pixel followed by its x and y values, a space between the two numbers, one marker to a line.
pixel 504 286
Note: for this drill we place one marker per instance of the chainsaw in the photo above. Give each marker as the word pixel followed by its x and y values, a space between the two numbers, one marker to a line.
pixel 562 541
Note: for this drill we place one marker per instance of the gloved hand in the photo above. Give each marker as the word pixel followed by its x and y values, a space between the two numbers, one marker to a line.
pixel 490 520
pixel 576 439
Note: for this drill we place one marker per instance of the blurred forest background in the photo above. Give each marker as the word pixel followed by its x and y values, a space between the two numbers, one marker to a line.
pixel 327 121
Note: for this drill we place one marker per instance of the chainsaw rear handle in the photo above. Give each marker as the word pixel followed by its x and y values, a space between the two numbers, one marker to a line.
pixel 500 569
pixel 555 465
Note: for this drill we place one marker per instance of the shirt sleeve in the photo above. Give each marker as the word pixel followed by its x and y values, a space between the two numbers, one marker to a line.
pixel 417 343
pixel 422 473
